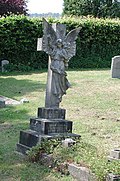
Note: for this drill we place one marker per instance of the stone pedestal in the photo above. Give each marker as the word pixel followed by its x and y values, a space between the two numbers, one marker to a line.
pixel 49 124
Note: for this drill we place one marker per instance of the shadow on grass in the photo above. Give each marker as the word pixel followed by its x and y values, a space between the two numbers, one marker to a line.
pixel 88 69
pixel 22 73
pixel 12 165
pixel 45 70
pixel 13 114
pixel 12 87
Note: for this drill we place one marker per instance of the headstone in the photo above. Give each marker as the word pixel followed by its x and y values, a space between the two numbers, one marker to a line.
pixel 50 122
pixel 115 67
pixel 114 155
pixel 2 103
pixel 81 173
pixel 112 177
pixel 3 64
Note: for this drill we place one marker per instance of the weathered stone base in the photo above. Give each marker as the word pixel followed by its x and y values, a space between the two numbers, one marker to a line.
pixel 22 148
pixel 49 124
pixel 51 113
pixel 28 139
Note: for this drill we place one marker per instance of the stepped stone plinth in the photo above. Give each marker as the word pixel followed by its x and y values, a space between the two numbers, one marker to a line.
pixel 49 124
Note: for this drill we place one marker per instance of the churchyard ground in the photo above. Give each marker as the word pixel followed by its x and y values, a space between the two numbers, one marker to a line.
pixel 92 103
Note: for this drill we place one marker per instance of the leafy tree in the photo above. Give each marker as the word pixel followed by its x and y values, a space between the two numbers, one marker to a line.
pixel 96 8
pixel 8 7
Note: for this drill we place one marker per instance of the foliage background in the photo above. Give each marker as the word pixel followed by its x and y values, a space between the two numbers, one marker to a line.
pixel 96 8
pixel 8 7
pixel 98 42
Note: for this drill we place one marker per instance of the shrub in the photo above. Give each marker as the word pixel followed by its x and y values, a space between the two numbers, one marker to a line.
pixel 98 42
pixel 96 8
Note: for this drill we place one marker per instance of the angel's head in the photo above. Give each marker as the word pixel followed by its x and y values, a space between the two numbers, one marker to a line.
pixel 59 43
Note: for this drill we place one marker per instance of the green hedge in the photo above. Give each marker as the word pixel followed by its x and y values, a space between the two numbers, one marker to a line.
pixel 18 43
pixel 98 42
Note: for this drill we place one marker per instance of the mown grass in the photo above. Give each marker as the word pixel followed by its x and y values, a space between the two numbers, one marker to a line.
pixel 92 103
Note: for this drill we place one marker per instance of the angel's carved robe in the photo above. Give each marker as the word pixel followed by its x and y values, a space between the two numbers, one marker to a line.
pixel 59 81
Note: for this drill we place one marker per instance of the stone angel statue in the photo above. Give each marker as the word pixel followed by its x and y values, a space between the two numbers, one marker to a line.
pixel 61 48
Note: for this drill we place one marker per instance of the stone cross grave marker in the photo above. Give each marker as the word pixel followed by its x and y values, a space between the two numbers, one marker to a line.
pixel 49 74
pixel 50 122
pixel 60 48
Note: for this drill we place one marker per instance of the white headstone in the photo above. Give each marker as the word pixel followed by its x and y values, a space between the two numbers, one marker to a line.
pixel 115 67
pixel 3 63
pixel 39 44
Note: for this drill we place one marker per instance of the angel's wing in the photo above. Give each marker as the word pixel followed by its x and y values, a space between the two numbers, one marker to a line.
pixel 49 37
pixel 70 42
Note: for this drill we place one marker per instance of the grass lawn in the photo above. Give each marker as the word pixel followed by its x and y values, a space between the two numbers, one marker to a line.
pixel 92 103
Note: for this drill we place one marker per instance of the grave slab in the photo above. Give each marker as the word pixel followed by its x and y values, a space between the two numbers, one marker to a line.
pixel 81 173
pixel 9 101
